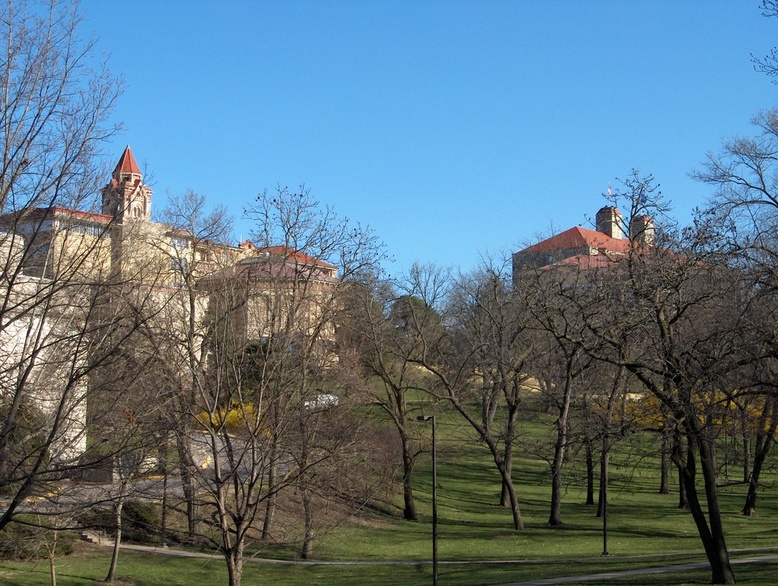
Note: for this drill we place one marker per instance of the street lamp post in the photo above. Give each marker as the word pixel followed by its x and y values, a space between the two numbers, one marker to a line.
pixel 434 500
pixel 605 521
pixel 604 495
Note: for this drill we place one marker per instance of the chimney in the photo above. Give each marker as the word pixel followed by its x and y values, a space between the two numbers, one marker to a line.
pixel 641 230
pixel 609 222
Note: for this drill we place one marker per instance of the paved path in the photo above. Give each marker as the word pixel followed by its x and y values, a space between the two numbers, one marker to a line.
pixel 640 572
pixel 600 577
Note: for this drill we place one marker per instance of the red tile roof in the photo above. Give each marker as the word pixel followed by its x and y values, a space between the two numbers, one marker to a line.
pixel 295 256
pixel 38 213
pixel 579 237
pixel 127 163
pixel 587 261
pixel 289 254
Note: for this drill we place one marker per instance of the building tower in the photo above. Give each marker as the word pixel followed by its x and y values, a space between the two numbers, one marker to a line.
pixel 609 222
pixel 641 230
pixel 126 196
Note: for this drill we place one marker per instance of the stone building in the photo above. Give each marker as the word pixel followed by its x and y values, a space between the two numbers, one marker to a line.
pixel 122 241
pixel 116 266
pixel 274 291
pixel 586 248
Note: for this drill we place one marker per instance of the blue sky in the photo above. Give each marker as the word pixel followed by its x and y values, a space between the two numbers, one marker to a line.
pixel 454 129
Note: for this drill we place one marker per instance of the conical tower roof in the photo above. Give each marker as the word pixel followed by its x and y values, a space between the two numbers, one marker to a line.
pixel 127 163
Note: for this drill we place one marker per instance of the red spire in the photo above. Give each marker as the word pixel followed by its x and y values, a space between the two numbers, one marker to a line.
pixel 127 163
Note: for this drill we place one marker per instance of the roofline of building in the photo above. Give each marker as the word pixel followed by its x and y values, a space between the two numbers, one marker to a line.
pixel 55 211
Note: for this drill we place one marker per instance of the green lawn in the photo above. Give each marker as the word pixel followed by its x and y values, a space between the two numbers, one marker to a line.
pixel 150 570
pixel 645 529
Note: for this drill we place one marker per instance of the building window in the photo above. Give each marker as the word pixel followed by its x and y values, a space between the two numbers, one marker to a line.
pixel 178 266
pixel 88 229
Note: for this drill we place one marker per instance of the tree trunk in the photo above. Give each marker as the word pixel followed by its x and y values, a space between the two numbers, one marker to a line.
pixel 711 530
pixel 272 481
pixel 764 439
pixel 555 517
pixel 604 470
pixel 589 472
pixel 518 523
pixel 505 464
pixel 664 480
pixel 683 500
pixel 761 449
pixel 163 458
pixel 307 549
pixel 560 449
pixel 489 393
pixel 52 566
pixel 304 486
pixel 505 498
pixel 745 437
pixel 270 503
pixel 507 460
pixel 749 508
pixel 235 564
pixel 117 540
pixel 188 483
pixel 503 467
pixel 409 509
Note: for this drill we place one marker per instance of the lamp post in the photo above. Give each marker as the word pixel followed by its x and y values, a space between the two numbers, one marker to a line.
pixel 604 494
pixel 434 500
pixel 605 522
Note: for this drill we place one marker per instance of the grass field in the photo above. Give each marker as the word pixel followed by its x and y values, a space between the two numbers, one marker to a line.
pixel 645 529
pixel 145 570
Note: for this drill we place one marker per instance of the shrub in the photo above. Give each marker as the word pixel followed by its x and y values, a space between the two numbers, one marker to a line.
pixel 19 541
pixel 141 521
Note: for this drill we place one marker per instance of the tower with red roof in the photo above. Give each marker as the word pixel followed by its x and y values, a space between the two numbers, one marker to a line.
pixel 126 196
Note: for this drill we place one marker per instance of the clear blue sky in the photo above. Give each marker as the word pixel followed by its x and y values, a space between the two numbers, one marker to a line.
pixel 451 128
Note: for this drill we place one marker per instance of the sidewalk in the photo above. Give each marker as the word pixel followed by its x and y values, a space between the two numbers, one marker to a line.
pixel 596 578
pixel 639 572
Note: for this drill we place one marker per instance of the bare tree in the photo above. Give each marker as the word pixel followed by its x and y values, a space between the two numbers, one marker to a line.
pixel 265 397
pixel 480 338
pixel 552 299
pixel 742 222
pixel 769 63
pixel 199 234
pixel 129 409
pixel 55 107
pixel 379 325
pixel 53 122
pixel 671 313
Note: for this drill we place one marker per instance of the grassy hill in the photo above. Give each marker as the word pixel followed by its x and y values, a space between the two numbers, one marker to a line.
pixel 644 529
